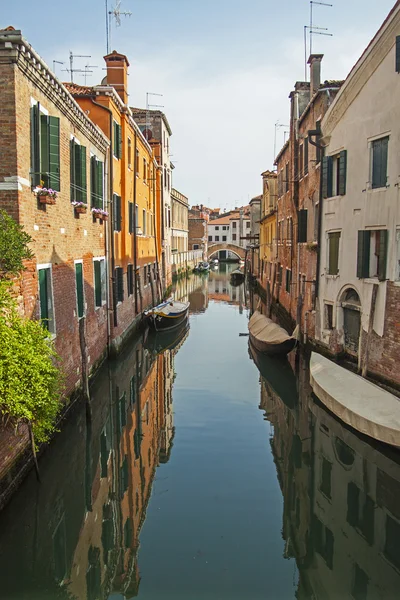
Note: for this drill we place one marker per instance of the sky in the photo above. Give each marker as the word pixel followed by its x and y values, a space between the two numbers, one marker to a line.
pixel 224 68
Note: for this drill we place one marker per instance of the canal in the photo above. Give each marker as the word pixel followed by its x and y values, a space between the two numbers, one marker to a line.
pixel 199 478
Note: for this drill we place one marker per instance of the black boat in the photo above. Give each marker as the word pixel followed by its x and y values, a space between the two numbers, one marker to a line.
pixel 167 315
pixel 237 276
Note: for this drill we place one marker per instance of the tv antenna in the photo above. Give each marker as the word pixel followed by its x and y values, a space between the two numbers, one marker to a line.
pixel 149 107
pixel 115 13
pixel 313 30
pixel 88 71
pixel 57 62
pixel 278 126
pixel 71 69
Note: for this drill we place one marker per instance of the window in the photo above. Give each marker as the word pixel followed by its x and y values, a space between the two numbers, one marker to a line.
pixel 129 274
pixel 379 157
pixel 316 221
pixel 80 298
pixel 361 512
pixel 117 140
pixel 224 238
pixel 96 182
pixel 137 163
pixel 333 253
pixel 99 266
pixel 288 280
pixel 334 174
pixel 131 216
pixel 305 168
pixel 129 153
pixel 280 274
pixel 46 298
pixel 324 541
pixel 195 246
pixel 234 237
pixel 397 65
pixel 287 177
pixel 136 217
pixel 326 478
pixel 45 149
pixel 360 584
pixel 328 316
pixel 301 160
pixel 78 172
pixel 144 170
pixel 119 284
pixel 165 176
pixel 392 538
pixel 289 229
pixel 216 227
pixel 217 238
pixel 302 226
pixel 223 227
pixel 248 224
pixel 117 212
pixel 234 224
pixel 372 253
pixel 144 222
pixel 210 238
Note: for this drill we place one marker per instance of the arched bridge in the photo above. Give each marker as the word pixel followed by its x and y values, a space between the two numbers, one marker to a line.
pixel 214 248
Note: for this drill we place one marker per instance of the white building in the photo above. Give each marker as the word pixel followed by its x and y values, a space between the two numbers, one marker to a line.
pixel 360 209
pixel 231 228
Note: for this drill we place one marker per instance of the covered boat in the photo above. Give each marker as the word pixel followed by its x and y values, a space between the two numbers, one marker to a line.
pixel 356 401
pixel 167 315
pixel 237 276
pixel 269 337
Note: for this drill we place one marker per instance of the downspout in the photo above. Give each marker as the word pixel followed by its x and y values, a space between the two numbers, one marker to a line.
pixel 317 133
pixel 135 224
pixel 111 220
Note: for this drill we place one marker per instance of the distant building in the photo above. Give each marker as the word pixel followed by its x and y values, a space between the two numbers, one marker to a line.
pixel 198 224
pixel 180 217
pixel 268 246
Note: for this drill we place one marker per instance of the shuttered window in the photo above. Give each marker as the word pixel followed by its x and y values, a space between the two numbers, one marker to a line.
pixel 131 216
pixel 333 252
pixel 45 149
pixel 398 54
pixel 96 182
pixel 80 302
pixel 327 171
pixel 117 140
pixel 78 172
pixel 287 177
pixel 99 281
pixel 46 299
pixel 117 212
pixel 379 150
pixel 342 169
pixel 288 280
pixel 129 274
pixel 144 222
pixel 302 226
pixel 119 283
pixel 305 156
pixel 372 254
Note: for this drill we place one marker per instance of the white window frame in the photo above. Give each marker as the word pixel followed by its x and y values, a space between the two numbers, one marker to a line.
pixel 50 267
pixel 103 302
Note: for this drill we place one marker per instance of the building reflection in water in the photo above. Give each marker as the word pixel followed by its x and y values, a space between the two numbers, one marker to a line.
pixel 78 537
pixel 220 288
pixel 341 519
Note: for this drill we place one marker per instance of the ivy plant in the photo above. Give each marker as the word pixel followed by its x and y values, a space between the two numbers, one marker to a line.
pixel 14 247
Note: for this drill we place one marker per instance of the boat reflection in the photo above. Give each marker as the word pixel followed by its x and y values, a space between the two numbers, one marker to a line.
pixel 341 519
pixel 78 537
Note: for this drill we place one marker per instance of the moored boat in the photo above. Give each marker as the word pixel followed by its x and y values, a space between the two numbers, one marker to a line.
pixel 356 401
pixel 159 341
pixel 167 315
pixel 201 267
pixel 237 276
pixel 269 337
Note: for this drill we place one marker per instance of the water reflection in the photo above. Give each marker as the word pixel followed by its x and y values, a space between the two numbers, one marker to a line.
pixel 220 288
pixel 341 518
pixel 78 536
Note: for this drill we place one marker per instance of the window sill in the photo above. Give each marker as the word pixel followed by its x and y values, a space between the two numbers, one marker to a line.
pixel 372 190
pixel 373 280
pixel 329 276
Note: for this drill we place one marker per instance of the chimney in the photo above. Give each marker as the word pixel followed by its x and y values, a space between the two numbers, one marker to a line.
pixel 315 72
pixel 117 74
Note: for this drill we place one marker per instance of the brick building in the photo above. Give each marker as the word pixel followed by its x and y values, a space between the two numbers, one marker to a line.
pixel 51 143
pixel 198 230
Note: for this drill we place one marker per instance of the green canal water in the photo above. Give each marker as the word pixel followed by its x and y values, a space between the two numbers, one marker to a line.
pixel 198 478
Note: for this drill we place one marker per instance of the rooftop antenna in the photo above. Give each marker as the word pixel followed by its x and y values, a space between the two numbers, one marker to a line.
pixel 57 62
pixel 88 71
pixel 313 30
pixel 115 13
pixel 71 69
pixel 277 126
pixel 150 106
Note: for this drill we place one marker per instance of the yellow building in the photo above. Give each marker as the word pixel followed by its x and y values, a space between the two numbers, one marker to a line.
pixel 268 246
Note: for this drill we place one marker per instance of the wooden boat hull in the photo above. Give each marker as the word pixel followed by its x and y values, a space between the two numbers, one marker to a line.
pixel 168 322
pixel 273 349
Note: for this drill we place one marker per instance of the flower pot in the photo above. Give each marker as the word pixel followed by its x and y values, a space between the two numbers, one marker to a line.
pixel 104 217
pixel 80 209
pixel 46 199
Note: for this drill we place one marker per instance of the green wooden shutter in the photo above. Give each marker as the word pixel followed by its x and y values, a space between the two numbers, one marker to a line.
pixel 83 174
pixel 44 150
pixel 342 172
pixel 115 140
pixel 54 153
pixel 119 141
pixel 302 226
pixel 100 185
pixel 305 155
pixel 384 234
pixel 130 206
pixel 119 279
pixel 93 182
pixel 398 54
pixel 43 287
pixel 379 162
pixel 72 170
pixel 77 172
pixel 79 289
pixel 97 282
pixel 334 239
pixel 35 145
pixel 363 250
pixel 327 177
pixel 119 213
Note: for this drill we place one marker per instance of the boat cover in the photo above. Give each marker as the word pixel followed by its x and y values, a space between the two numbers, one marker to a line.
pixel 170 308
pixel 265 330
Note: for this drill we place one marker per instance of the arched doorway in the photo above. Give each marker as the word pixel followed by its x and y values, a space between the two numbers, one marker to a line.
pixel 351 306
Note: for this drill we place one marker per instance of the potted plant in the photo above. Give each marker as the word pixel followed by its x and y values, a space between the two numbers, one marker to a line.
pixel 80 207
pixel 99 213
pixel 46 195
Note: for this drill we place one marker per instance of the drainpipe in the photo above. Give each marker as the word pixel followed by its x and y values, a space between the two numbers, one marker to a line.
pixel 317 133
pixel 111 236
pixel 136 166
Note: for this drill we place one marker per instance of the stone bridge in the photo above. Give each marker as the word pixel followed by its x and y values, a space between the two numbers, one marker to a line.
pixel 214 248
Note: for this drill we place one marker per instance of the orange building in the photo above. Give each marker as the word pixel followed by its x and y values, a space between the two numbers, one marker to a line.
pixel 134 229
